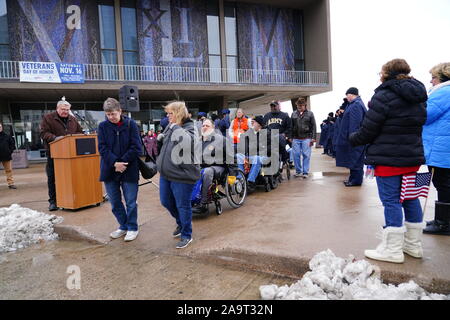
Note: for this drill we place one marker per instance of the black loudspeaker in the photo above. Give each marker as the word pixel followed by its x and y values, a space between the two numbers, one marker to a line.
pixel 129 98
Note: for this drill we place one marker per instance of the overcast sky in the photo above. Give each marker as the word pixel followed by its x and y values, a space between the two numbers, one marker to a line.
pixel 365 34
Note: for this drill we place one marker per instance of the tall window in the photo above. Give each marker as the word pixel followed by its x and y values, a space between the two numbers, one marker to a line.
pixel 129 39
pixel 107 32
pixel 4 38
pixel 231 40
pixel 129 32
pixel 215 62
pixel 299 55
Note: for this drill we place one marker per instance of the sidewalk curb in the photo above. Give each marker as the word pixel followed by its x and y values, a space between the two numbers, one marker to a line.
pixel 70 232
pixel 296 267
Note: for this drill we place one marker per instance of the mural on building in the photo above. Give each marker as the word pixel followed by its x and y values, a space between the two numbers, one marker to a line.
pixel 54 30
pixel 172 33
pixel 265 37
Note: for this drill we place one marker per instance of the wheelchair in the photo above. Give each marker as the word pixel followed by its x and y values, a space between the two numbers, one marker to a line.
pixel 269 182
pixel 232 185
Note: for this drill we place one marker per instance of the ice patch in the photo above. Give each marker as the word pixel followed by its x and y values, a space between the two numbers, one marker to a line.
pixel 21 227
pixel 334 278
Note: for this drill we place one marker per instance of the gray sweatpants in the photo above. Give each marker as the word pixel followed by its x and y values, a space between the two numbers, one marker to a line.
pixel 208 176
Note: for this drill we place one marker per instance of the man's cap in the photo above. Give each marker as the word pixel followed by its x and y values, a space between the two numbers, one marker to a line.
pixel 202 114
pixel 225 111
pixel 353 90
pixel 275 103
pixel 260 120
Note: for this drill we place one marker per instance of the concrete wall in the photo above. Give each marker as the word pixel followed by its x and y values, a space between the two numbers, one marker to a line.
pixel 317 39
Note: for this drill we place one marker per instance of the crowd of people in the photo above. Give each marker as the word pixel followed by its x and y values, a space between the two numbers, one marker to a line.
pixel 403 128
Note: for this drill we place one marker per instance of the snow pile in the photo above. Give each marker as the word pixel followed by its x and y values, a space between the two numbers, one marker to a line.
pixel 20 227
pixel 334 278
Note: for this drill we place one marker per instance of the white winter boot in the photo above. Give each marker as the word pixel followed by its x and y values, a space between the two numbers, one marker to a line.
pixel 391 247
pixel 413 239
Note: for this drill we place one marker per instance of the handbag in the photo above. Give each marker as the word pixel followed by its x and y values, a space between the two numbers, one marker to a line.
pixel 148 167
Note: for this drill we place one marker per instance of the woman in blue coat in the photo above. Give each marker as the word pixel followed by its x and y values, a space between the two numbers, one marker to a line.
pixel 436 140
pixel 119 144
pixel 346 155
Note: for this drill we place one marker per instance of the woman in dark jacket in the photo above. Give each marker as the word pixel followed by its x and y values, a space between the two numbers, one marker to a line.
pixel 7 147
pixel 119 145
pixel 177 168
pixel 392 129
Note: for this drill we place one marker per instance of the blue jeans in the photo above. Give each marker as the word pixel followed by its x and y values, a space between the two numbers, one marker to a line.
pixel 176 197
pixel 127 218
pixel 389 193
pixel 301 148
pixel 256 164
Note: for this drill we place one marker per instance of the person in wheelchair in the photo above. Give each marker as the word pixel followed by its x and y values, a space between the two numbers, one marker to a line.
pixel 217 152
pixel 255 154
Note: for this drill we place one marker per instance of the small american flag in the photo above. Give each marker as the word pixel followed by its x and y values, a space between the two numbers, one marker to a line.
pixel 415 185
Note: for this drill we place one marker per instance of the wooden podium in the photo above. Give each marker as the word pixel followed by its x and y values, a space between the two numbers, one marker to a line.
pixel 77 171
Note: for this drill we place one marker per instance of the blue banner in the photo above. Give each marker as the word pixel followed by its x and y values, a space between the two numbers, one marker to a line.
pixel 70 72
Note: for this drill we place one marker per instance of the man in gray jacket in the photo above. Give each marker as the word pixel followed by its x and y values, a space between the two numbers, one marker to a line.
pixel 304 136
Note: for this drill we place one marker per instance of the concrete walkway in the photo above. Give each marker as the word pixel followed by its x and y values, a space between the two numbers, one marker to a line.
pixel 276 232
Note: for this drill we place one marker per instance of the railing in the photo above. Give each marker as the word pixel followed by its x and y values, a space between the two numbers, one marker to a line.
pixel 107 72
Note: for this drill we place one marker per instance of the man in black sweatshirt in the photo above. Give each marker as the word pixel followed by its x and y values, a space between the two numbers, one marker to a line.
pixel 276 119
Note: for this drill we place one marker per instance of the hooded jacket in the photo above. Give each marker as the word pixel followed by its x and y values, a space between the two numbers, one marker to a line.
pixel 187 171
pixel 436 131
pixel 392 128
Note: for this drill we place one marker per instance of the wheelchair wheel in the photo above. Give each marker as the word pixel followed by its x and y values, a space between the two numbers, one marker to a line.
pixel 237 191
pixel 288 170
pixel 273 182
pixel 218 208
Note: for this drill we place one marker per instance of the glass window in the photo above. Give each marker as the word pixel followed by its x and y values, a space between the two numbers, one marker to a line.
pixel 298 41
pixel 4 37
pixel 130 58
pixel 107 27
pixel 4 53
pixel 230 36
pixel 213 35
pixel 129 33
pixel 215 68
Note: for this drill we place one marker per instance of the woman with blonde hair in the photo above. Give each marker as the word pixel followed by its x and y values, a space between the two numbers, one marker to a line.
pixel 392 131
pixel 436 140
pixel 238 126
pixel 178 172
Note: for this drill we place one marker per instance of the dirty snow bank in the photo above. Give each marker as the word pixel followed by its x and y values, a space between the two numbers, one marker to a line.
pixel 21 227
pixel 334 278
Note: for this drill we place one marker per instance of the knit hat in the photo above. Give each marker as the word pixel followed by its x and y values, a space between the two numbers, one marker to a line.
pixel 353 90
pixel 260 120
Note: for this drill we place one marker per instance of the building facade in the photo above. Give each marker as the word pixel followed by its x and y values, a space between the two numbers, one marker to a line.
pixel 213 54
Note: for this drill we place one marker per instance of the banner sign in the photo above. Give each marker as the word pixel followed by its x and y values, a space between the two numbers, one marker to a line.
pixel 51 72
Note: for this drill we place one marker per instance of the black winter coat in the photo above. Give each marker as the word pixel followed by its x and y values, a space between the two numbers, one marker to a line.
pixel 6 146
pixel 392 127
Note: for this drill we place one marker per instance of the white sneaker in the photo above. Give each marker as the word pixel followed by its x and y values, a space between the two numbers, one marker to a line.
pixel 117 234
pixel 131 235
pixel 298 175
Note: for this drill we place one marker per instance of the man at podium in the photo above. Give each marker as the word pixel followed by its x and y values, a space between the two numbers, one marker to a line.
pixel 54 126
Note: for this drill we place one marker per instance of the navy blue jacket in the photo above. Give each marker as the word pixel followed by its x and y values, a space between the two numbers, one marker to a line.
pixel 346 155
pixel 324 134
pixel 119 144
